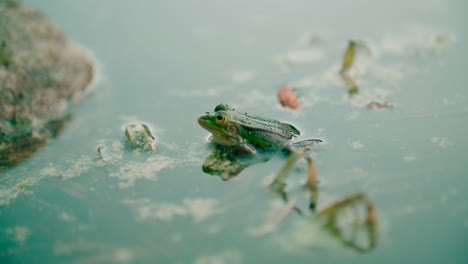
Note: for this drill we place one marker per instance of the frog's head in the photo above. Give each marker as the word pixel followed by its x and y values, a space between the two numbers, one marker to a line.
pixel 225 132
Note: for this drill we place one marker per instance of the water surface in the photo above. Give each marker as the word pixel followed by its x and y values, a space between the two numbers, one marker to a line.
pixel 167 63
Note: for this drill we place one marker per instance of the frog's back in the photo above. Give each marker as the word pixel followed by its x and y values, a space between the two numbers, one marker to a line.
pixel 265 125
pixel 264 139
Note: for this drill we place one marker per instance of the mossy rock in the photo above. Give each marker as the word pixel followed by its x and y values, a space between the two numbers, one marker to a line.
pixel 41 74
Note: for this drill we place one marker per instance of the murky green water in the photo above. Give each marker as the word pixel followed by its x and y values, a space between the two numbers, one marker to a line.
pixel 167 63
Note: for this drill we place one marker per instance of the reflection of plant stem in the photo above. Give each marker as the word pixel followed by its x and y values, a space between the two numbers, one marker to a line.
pixel 312 172
pixel 313 191
pixel 351 85
pixel 25 184
pixel 372 223
pixel 331 210
pixel 330 215
pixel 285 212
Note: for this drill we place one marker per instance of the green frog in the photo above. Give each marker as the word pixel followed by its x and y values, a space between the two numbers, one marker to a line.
pixel 247 134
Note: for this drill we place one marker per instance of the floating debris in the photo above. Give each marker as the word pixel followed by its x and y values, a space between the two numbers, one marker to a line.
pixel 102 157
pixel 416 41
pixel 311 39
pixel 349 61
pixel 300 56
pixel 199 209
pixel 361 100
pixel 20 234
pixel 348 56
pixel 8 194
pixel 242 77
pixel 409 158
pixel 223 257
pixel 139 136
pixel 358 145
pixel 438 41
pixel 442 142
pixel 65 217
pixel 207 92
pixel 107 153
pixel 287 97
pixel 129 172
pixel 99 152
pixel 95 252
pixel 379 105
pixel 349 70
pixel 77 166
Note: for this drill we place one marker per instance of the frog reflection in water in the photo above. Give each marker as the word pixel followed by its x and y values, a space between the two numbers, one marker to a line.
pixel 241 140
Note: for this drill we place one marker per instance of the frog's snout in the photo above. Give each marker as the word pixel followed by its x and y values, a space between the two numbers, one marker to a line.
pixel 202 120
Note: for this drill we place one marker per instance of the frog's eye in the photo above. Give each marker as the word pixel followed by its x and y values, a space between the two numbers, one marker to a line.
pixel 221 107
pixel 220 119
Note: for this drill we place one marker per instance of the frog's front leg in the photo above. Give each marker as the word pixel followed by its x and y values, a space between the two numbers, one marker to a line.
pixel 244 149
